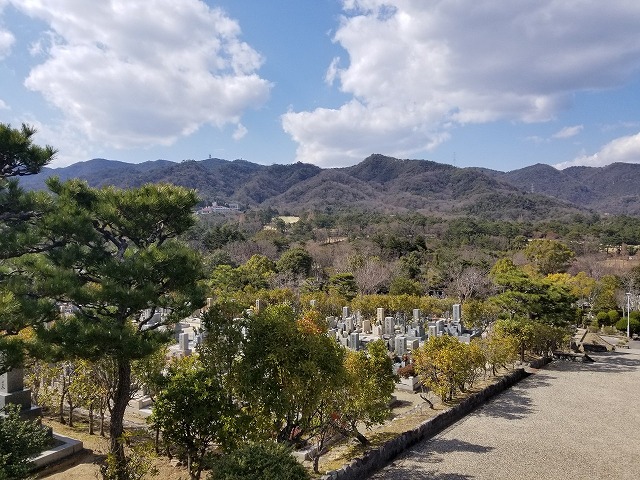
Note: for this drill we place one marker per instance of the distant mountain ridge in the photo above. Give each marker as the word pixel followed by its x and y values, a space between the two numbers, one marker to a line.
pixel 610 189
pixel 382 183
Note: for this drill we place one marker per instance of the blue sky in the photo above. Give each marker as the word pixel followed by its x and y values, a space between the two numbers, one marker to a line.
pixel 494 84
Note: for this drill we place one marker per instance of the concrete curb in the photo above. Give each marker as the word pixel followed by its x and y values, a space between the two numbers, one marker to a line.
pixel 66 447
pixel 375 459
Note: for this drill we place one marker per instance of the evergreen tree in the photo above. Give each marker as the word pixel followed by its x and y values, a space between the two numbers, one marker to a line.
pixel 534 310
pixel 119 265
pixel 19 235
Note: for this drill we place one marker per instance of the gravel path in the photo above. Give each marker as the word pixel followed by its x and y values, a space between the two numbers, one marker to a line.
pixel 569 420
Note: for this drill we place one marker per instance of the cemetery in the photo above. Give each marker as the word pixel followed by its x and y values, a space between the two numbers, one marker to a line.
pixel 403 337
pixel 400 335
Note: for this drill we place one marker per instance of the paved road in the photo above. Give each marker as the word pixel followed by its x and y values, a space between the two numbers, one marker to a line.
pixel 569 420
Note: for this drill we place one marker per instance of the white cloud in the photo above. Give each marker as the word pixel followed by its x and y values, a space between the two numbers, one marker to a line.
pixel 568 132
pixel 71 146
pixel 332 71
pixel 345 136
pixel 623 149
pixel 6 41
pixel 239 132
pixel 417 68
pixel 132 74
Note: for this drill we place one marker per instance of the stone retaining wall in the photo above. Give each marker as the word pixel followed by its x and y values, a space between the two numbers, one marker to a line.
pixel 375 459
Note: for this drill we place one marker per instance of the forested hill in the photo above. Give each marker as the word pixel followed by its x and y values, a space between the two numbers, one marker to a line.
pixel 610 189
pixel 382 183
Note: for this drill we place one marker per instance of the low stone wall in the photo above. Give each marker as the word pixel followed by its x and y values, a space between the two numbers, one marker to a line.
pixel 375 459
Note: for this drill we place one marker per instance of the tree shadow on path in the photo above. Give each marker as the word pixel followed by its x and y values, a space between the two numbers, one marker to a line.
pixel 609 362
pixel 515 402
pixel 405 469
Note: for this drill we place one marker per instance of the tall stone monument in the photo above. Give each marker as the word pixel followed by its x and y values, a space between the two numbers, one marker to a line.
pixel 456 312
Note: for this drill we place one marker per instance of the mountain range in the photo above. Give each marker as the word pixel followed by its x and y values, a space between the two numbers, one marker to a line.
pixel 381 183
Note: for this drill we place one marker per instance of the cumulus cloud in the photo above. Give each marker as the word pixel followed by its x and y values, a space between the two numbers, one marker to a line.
pixel 416 69
pixel 623 149
pixel 132 74
pixel 568 132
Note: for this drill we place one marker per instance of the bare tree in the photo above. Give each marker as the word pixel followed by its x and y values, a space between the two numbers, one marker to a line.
pixel 594 264
pixel 372 274
pixel 468 282
pixel 240 252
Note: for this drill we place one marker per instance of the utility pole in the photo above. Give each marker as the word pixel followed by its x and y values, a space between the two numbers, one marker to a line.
pixel 628 313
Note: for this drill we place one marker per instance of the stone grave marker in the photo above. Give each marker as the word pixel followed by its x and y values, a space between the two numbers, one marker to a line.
pixel 12 391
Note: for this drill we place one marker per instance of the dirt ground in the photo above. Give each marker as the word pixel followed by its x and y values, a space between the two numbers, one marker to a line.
pixel 86 466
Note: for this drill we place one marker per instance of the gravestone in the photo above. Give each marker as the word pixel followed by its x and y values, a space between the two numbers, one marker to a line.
pixel 400 345
pixel 433 330
pixel 12 391
pixel 354 341
pixel 366 326
pixel 389 325
pixel 456 312
pixel 377 331
pixel 183 343
pixel 350 323
pixel 332 321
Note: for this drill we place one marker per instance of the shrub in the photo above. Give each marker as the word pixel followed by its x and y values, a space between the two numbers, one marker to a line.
pixel 405 286
pixel 634 325
pixel 19 439
pixel 601 319
pixel 259 461
pixel 614 316
pixel 407 371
